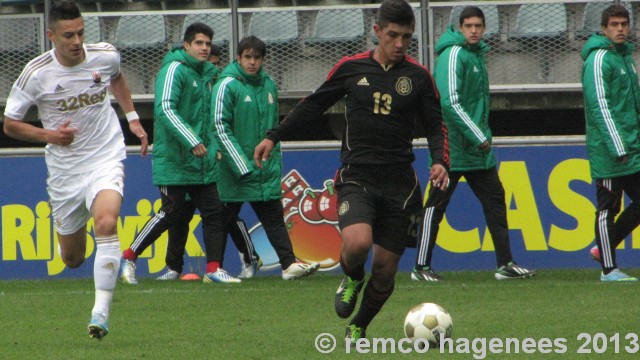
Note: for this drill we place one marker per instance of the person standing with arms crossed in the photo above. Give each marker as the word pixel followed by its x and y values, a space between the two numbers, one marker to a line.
pixel 245 106
pixel 612 106
pixel 463 82
pixel 184 152
pixel 85 145
pixel 388 96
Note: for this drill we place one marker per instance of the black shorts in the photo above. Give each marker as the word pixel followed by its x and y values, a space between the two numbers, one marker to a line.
pixel 388 198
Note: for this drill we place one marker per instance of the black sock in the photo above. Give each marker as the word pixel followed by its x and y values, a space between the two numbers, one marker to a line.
pixel 372 302
pixel 356 274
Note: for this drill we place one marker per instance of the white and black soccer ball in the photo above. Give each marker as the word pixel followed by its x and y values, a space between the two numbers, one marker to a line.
pixel 427 321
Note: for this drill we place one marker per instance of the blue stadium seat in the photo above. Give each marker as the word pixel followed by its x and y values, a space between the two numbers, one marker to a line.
pixel 491 19
pixel 340 26
pixel 592 18
pixel 274 27
pixel 540 21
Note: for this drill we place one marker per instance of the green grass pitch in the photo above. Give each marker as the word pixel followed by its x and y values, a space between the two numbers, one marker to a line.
pixel 268 318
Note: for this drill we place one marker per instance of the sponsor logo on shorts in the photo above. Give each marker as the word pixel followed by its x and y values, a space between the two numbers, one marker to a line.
pixel 344 208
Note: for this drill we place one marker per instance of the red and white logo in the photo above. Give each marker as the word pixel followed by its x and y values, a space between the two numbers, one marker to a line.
pixel 97 77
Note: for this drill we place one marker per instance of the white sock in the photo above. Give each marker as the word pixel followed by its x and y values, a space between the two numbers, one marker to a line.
pixel 105 271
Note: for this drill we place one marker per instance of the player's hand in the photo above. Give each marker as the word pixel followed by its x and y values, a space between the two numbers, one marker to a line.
pixel 262 152
pixel 63 135
pixel 199 150
pixel 439 177
pixel 136 128
pixel 485 146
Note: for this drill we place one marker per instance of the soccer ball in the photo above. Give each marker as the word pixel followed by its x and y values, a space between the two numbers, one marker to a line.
pixel 427 321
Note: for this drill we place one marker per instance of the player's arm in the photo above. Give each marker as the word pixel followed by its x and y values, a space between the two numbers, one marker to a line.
pixel 449 81
pixel 21 130
pixel 120 90
pixel 168 92
pixel 595 87
pixel 303 114
pixel 223 104
pixel 436 131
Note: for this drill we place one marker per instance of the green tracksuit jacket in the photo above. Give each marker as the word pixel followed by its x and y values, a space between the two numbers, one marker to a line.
pixel 462 80
pixel 244 108
pixel 182 113
pixel 611 106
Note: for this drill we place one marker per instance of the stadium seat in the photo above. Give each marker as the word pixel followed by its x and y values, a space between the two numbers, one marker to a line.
pixel 340 27
pixel 92 32
pixel 491 18
pixel 540 21
pixel 141 40
pixel 274 27
pixel 592 18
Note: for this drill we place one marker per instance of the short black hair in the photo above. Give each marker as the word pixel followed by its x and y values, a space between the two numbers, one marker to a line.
pixel 195 29
pixel 252 43
pixel 63 10
pixel 614 11
pixel 471 11
pixel 397 12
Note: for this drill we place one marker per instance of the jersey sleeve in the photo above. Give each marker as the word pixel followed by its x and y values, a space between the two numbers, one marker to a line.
pixel 449 81
pixel 314 105
pixel 430 115
pixel 597 93
pixel 169 87
pixel 21 99
pixel 223 104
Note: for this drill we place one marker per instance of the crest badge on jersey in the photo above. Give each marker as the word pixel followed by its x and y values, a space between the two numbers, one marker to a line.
pixel 403 86
pixel 270 98
pixel 97 77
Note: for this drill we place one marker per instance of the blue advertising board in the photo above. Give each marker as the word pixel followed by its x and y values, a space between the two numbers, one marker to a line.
pixel 550 200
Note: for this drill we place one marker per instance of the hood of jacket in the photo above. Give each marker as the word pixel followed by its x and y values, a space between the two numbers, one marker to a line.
pixel 236 71
pixel 453 37
pixel 598 41
pixel 180 55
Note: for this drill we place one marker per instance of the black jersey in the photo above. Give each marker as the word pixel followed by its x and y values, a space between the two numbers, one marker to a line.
pixel 383 108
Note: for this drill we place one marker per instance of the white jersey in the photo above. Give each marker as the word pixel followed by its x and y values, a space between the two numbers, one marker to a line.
pixel 80 94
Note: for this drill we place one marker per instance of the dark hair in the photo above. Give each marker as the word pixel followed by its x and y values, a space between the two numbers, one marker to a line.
pixel 63 10
pixel 215 51
pixel 614 11
pixel 397 12
pixel 252 43
pixel 195 29
pixel 471 11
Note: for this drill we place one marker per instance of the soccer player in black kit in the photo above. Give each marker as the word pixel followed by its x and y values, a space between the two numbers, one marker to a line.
pixel 388 96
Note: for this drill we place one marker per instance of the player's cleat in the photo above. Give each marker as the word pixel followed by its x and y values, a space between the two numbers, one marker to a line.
pixel 353 333
pixel 220 276
pixel 425 274
pixel 347 296
pixel 617 275
pixel 129 272
pixel 595 254
pixel 299 269
pixel 98 326
pixel 169 275
pixel 513 271
pixel 249 269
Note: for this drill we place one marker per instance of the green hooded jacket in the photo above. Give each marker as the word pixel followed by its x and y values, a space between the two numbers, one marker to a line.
pixel 244 108
pixel 611 106
pixel 462 80
pixel 182 112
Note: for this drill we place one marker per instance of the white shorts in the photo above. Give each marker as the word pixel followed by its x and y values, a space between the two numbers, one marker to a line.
pixel 71 196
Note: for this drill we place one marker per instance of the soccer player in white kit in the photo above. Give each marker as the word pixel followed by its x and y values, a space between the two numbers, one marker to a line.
pixel 85 145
